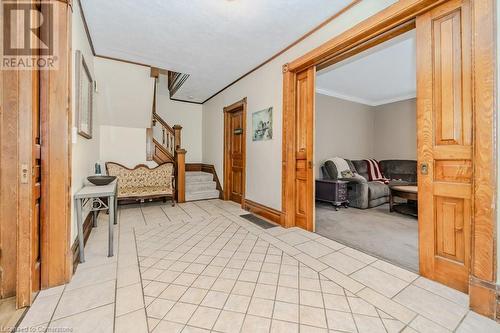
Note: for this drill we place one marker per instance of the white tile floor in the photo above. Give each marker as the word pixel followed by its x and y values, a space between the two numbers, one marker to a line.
pixel 199 267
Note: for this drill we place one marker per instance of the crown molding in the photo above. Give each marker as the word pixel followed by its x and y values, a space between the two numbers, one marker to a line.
pixel 363 100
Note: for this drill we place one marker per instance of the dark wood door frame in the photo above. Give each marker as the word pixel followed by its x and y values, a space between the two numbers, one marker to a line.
pixel 482 278
pixel 240 105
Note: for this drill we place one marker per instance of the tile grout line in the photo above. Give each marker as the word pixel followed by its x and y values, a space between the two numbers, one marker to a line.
pixel 222 309
pixel 117 264
pixel 258 235
pixel 197 257
pixel 307 266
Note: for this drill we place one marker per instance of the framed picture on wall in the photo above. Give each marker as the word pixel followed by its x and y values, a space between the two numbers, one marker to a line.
pixel 83 96
pixel 262 125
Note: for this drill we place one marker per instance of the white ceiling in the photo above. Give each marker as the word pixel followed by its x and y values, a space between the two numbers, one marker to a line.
pixel 215 41
pixel 383 74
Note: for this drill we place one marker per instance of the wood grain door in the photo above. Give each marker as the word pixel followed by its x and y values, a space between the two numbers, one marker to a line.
pixel 36 184
pixel 304 175
pixel 236 135
pixel 444 117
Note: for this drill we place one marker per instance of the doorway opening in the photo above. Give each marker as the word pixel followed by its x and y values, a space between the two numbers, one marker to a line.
pixel 456 169
pixel 365 152
pixel 235 151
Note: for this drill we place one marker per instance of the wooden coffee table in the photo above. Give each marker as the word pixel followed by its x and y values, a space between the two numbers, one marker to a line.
pixel 409 192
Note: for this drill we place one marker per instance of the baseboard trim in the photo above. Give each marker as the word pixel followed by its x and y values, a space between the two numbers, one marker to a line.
pixel 484 298
pixel 210 168
pixel 271 214
pixel 75 249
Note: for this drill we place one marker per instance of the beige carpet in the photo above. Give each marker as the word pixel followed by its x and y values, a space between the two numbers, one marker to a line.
pixel 389 236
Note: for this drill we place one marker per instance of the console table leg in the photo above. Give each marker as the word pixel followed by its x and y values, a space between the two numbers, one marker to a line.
pixel 79 223
pixel 94 218
pixel 116 210
pixel 111 223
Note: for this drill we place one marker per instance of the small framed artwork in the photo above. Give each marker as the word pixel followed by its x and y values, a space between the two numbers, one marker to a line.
pixel 83 96
pixel 262 125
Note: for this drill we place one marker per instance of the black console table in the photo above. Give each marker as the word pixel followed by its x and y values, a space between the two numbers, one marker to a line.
pixel 332 191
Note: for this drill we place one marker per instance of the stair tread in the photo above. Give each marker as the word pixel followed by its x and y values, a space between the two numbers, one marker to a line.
pixel 203 191
pixel 197 173
pixel 202 182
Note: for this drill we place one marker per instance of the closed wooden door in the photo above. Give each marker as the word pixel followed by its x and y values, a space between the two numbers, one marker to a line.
pixel 444 117
pixel 304 175
pixel 234 175
pixel 36 184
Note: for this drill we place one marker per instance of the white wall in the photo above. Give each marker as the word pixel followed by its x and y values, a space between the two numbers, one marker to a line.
pixel 125 98
pixel 342 128
pixel 263 88
pixel 85 152
pixel 124 93
pixel 358 131
pixel 188 115
pixel 124 145
pixel 396 130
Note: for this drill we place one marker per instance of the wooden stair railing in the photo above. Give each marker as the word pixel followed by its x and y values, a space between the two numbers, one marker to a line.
pixel 163 144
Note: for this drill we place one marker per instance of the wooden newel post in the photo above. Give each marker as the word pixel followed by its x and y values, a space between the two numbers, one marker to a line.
pixel 181 175
pixel 177 136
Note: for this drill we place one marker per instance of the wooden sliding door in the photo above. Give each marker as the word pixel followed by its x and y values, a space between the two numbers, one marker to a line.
pixel 444 116
pixel 304 143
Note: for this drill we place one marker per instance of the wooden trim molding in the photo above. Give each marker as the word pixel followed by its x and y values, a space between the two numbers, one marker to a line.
pixel 180 175
pixel 482 288
pixel 85 25
pixel 484 91
pixel 75 249
pixel 399 13
pixel 399 30
pixel 242 104
pixel 184 101
pixel 269 213
pixel 55 91
pixel 209 168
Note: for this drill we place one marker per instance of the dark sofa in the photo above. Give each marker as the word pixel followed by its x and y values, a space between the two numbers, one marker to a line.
pixel 367 194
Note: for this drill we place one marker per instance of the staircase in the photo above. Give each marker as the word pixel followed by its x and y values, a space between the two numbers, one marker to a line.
pixel 163 144
pixel 200 186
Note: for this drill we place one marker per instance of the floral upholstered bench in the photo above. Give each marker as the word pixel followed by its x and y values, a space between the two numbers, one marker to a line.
pixel 142 182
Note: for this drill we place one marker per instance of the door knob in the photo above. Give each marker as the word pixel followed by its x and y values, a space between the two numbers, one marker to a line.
pixel 424 168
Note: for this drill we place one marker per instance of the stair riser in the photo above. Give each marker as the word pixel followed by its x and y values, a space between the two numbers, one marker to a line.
pixel 198 179
pixel 202 195
pixel 199 187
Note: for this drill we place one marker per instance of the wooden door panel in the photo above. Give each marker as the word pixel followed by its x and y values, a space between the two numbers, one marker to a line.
pixel 444 116
pixel 449 228
pixel 459 171
pixel 447 79
pixel 236 181
pixel 304 182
